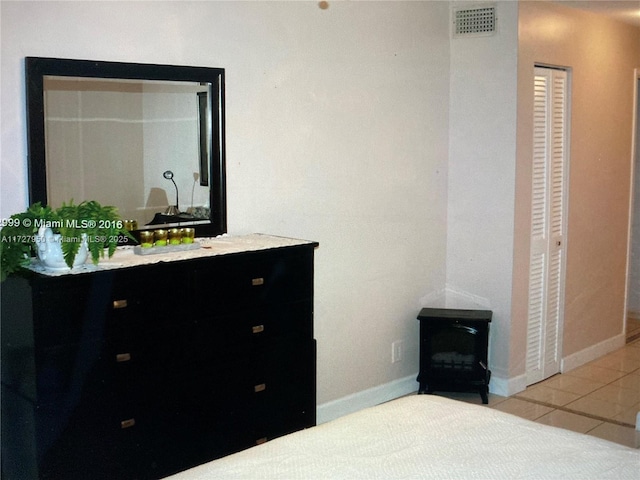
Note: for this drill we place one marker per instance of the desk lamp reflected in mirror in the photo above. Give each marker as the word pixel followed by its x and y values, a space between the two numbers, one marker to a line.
pixel 172 209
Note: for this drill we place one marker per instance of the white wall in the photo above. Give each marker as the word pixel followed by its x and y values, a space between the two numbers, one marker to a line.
pixel 481 189
pixel 337 131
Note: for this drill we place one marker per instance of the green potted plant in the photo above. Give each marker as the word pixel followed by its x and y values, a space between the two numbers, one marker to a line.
pixel 87 225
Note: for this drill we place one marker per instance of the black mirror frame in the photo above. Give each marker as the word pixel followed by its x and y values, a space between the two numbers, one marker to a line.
pixel 36 68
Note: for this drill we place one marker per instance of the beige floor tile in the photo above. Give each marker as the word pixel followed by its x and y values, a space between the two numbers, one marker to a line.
pixel 542 393
pixel 569 421
pixel 615 394
pixel 522 408
pixel 615 433
pixel 630 381
pixel 628 346
pixel 496 399
pixel 619 362
pixel 570 384
pixel 629 415
pixel 628 352
pixel 597 407
pixel 595 373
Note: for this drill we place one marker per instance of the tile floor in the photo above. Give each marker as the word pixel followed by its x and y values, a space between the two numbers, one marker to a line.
pixel 601 398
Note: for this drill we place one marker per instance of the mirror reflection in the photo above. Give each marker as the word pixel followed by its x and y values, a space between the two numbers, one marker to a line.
pixel 114 140
pixel 108 131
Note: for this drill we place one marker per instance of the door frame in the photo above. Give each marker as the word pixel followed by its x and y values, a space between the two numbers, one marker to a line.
pixel 565 227
pixel 635 133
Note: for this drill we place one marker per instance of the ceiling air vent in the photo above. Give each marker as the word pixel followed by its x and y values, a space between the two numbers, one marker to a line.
pixel 474 21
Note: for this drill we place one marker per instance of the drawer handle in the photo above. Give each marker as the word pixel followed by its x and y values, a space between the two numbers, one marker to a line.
pixel 262 440
pixel 119 304
pixel 123 357
pixel 257 328
pixel 128 423
pixel 257 281
pixel 260 388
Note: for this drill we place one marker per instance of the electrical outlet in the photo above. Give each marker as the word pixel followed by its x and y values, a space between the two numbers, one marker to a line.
pixel 396 351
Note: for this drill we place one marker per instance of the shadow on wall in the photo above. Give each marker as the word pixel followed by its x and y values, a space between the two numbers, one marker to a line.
pixel 451 297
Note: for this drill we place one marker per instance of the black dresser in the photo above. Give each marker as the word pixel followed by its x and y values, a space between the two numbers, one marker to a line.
pixel 144 371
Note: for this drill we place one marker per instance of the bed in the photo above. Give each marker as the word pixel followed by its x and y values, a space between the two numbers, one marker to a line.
pixel 426 436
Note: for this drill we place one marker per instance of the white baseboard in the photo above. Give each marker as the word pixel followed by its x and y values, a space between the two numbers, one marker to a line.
pixel 592 353
pixel 498 385
pixel 510 386
pixel 506 387
pixel 398 388
pixel 366 398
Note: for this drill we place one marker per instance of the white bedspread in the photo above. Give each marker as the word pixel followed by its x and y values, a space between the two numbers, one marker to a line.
pixel 425 436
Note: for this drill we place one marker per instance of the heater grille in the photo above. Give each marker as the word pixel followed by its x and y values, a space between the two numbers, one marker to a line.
pixel 476 21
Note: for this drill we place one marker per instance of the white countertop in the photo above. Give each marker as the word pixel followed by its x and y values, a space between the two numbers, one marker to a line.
pixel 124 257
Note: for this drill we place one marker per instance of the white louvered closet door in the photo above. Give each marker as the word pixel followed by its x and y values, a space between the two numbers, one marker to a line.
pixel 546 269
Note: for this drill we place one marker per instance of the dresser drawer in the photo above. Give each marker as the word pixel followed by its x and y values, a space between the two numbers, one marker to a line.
pixel 110 305
pixel 102 441
pixel 142 300
pixel 83 373
pixel 166 289
pixel 287 401
pixel 220 335
pixel 228 284
pixel 71 309
pixel 293 319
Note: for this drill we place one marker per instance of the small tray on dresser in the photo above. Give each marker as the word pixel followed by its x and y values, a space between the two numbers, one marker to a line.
pixel 183 247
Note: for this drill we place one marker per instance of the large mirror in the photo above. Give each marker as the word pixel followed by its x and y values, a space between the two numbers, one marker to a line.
pixel 148 139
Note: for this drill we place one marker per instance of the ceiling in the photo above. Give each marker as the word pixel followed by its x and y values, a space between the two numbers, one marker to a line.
pixel 624 10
